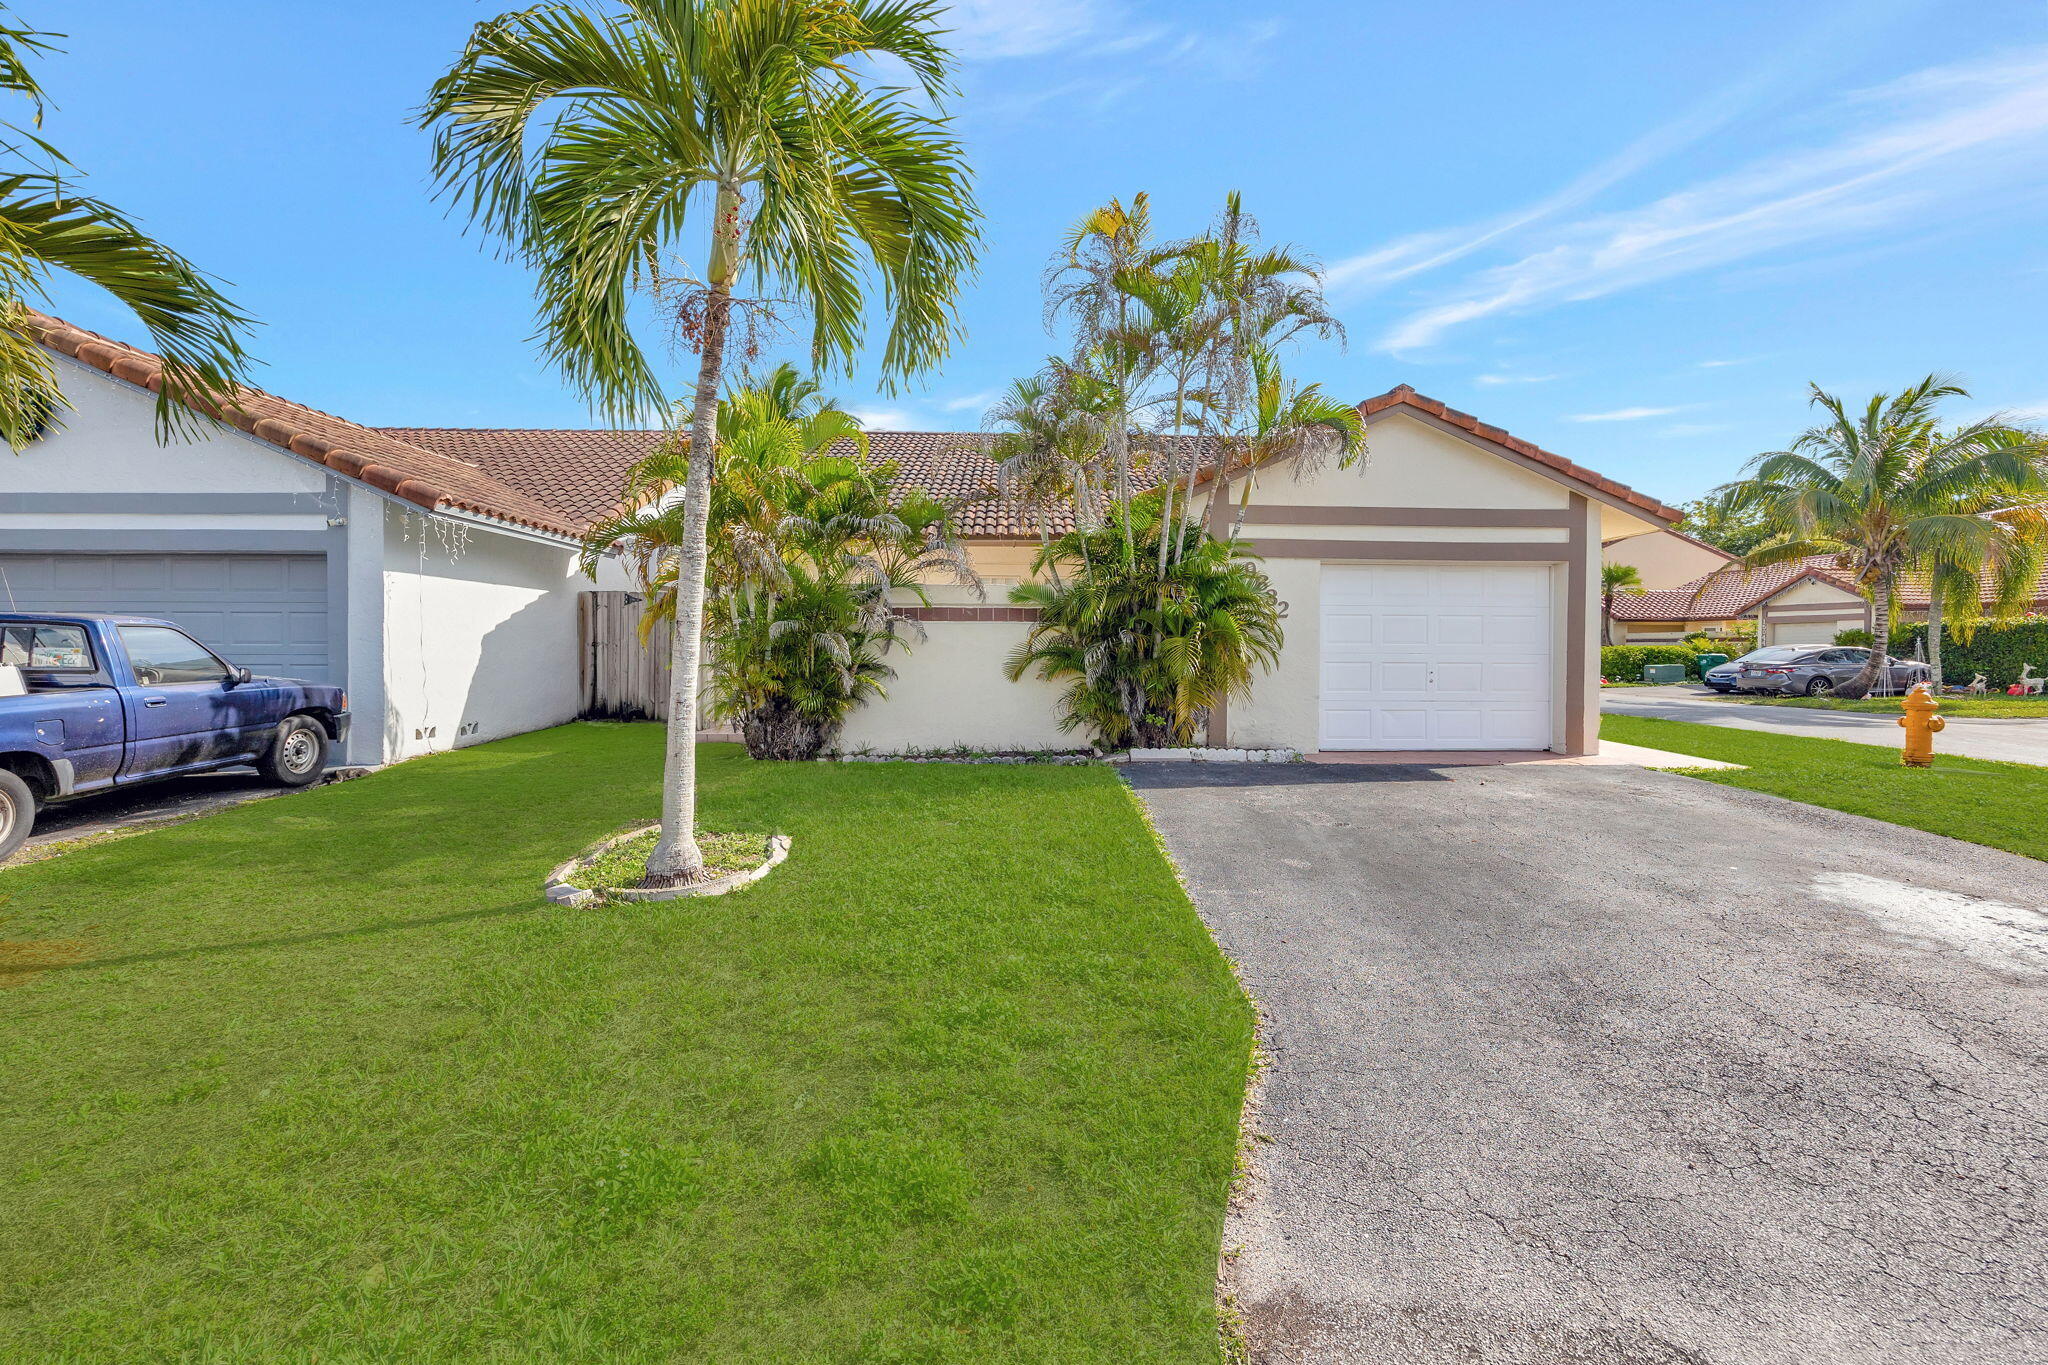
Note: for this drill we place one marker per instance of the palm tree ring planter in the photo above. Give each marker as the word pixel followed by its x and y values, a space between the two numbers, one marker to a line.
pixel 561 886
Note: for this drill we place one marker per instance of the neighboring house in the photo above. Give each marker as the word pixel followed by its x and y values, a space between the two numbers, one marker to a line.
pixel 1665 559
pixel 1444 594
pixel 1802 601
pixel 440 594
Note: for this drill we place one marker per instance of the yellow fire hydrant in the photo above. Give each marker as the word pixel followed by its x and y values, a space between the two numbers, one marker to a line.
pixel 1921 726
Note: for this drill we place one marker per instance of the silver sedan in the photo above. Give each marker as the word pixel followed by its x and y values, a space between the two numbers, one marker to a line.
pixel 1818 672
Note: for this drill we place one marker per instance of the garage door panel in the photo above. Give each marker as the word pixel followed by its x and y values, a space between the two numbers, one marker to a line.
pixel 268 613
pixel 1436 657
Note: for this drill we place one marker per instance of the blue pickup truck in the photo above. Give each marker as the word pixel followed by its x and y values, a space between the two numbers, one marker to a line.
pixel 90 702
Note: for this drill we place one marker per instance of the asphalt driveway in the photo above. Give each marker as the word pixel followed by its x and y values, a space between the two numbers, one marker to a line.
pixel 2006 741
pixel 1600 1066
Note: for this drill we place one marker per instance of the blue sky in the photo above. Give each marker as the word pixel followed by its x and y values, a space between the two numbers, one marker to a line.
pixel 1630 232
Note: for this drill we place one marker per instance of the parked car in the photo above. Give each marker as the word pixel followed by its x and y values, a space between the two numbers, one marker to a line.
pixel 1817 671
pixel 1723 677
pixel 90 702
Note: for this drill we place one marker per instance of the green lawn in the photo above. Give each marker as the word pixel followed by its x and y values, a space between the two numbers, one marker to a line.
pixel 2000 804
pixel 1985 708
pixel 959 1082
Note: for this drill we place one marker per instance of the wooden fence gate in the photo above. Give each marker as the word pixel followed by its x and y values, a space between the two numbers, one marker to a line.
pixel 622 678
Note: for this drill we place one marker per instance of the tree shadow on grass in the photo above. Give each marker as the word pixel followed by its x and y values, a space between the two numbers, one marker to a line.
pixel 16 968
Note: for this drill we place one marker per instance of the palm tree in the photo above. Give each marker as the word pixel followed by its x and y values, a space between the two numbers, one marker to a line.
pixel 46 228
pixel 1285 420
pixel 1881 490
pixel 590 141
pixel 1615 578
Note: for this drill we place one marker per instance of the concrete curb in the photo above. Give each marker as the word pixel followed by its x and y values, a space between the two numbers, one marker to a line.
pixel 559 890
pixel 1207 756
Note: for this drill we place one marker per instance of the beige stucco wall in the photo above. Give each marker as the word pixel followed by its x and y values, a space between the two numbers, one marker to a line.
pixel 950 692
pixel 1664 560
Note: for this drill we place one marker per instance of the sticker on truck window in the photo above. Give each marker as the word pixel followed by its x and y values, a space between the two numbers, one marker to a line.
pixel 45 649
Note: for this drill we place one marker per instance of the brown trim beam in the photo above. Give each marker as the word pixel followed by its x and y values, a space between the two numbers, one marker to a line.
pixel 1525 552
pixel 1578 586
pixel 969 613
pixel 1271 514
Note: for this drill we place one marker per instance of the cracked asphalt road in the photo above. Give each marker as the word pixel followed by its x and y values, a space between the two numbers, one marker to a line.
pixel 1599 1066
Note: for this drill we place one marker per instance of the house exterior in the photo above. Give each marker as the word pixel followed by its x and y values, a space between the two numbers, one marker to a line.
pixel 1803 601
pixel 1666 558
pixel 1443 594
pixel 297 543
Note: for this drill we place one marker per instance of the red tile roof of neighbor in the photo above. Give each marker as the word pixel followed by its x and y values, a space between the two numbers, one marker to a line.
pixel 561 481
pixel 1727 592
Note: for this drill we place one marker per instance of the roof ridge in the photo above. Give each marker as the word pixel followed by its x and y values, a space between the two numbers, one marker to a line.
pixel 297 429
pixel 1405 394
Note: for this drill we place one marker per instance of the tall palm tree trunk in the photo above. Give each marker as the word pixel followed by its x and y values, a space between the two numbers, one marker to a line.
pixel 676 858
pixel 1880 640
pixel 1934 587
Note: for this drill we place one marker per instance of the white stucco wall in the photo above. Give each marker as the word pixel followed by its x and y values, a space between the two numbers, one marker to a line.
pixel 479 635
pixel 106 443
pixel 950 692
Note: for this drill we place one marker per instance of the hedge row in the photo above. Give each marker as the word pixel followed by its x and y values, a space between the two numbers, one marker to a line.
pixel 1995 651
pixel 1624 663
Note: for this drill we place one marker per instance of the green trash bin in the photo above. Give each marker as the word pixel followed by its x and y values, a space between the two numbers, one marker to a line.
pixel 1663 673
pixel 1708 661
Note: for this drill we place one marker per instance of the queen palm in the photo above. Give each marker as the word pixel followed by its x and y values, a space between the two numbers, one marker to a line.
pixel 48 228
pixel 594 141
pixel 1886 490
pixel 1283 420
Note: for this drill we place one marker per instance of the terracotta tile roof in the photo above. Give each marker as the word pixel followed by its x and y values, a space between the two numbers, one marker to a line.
pixel 1405 395
pixel 581 472
pixel 562 480
pixel 1913 593
pixel 1727 592
pixel 408 471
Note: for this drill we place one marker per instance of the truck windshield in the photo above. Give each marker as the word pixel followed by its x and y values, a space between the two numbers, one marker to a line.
pixel 42 648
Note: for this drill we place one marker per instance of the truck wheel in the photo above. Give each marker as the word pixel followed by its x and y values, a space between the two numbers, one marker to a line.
pixel 17 812
pixel 297 755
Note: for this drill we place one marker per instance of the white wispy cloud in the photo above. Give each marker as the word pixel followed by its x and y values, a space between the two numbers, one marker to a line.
pixel 985 30
pixel 1910 149
pixel 1622 415
pixel 1724 364
pixel 970 402
pixel 1491 379
pixel 883 419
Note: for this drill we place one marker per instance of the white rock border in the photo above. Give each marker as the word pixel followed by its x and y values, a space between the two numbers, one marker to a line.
pixel 1207 756
pixel 558 889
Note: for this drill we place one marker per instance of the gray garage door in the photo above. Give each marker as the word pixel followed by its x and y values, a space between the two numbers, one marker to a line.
pixel 264 612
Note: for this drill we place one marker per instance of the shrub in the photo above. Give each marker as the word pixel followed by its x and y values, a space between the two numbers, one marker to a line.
pixel 1995 651
pixel 1856 636
pixel 1145 655
pixel 1625 663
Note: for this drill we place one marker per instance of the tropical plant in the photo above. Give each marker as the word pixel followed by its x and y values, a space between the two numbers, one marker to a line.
pixel 1887 489
pixel 808 548
pixel 589 139
pixel 1300 424
pixel 1615 579
pixel 1145 656
pixel 1737 532
pixel 47 227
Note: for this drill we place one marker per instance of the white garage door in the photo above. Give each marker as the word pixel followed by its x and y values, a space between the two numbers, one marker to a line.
pixel 265 612
pixel 1436 656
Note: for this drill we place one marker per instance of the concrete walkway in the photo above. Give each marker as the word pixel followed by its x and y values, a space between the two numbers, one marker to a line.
pixel 1602 1066
pixel 2008 741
